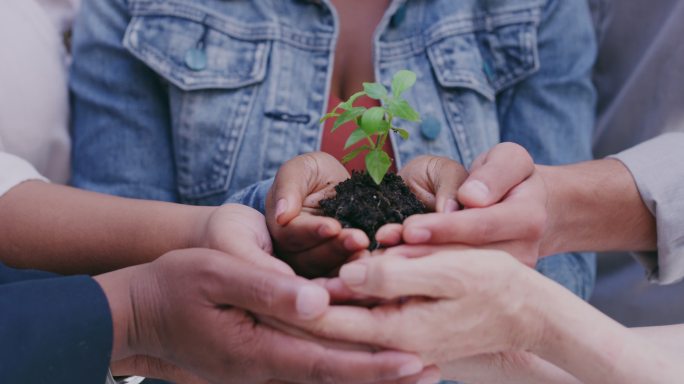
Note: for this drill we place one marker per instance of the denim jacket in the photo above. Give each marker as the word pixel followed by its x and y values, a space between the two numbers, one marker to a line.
pixel 201 101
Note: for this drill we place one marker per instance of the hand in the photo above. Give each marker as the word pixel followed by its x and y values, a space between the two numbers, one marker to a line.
pixel 190 308
pixel 461 304
pixel 435 181
pixel 241 231
pixel 152 367
pixel 313 245
pixel 505 201
pixel 511 367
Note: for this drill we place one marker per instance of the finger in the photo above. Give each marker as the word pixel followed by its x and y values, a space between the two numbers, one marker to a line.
pixel 391 277
pixel 295 360
pixel 263 291
pixel 329 255
pixel 435 181
pixel 430 375
pixel 476 226
pixel 340 293
pixel 307 231
pixel 421 250
pixel 304 175
pixel 446 176
pixel 503 167
pixel 389 234
pixel 258 257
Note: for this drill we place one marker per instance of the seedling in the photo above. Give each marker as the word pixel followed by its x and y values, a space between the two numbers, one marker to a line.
pixel 374 124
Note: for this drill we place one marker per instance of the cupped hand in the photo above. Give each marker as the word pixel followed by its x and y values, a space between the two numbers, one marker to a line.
pixel 313 245
pixel 241 231
pixel 435 181
pixel 453 305
pixel 505 201
pixel 198 310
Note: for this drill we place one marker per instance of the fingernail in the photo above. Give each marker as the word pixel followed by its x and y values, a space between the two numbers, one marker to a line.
pixel 353 242
pixel 417 235
pixel 450 206
pixel 410 369
pixel 476 190
pixel 354 274
pixel 311 301
pixel 281 207
pixel 325 231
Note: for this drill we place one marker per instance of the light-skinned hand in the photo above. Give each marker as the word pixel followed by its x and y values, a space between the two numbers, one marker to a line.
pixel 505 203
pixel 435 181
pixel 453 305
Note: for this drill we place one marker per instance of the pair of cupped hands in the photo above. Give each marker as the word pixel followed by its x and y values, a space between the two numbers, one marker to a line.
pixel 445 302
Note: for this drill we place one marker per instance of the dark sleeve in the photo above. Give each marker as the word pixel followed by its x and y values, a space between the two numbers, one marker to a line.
pixel 53 329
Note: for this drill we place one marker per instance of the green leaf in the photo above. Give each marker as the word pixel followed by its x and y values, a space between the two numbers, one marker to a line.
pixel 377 164
pixel 355 137
pixel 402 132
pixel 328 116
pixel 349 104
pixel 351 155
pixel 348 115
pixel 402 81
pixel 373 121
pixel 375 91
pixel 400 108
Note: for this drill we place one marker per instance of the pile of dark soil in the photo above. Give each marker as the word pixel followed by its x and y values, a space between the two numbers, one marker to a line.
pixel 360 203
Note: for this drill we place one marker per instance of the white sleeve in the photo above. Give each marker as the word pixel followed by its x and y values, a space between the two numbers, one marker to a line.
pixel 15 170
pixel 657 166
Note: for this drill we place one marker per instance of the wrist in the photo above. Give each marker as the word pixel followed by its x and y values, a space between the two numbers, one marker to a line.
pixel 594 348
pixel 200 226
pixel 552 239
pixel 116 287
pixel 595 206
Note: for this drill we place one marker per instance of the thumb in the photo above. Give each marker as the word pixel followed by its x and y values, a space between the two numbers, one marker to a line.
pixel 495 173
pixel 447 176
pixel 300 177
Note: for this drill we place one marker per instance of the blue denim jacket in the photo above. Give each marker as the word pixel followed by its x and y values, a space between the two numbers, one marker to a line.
pixel 201 101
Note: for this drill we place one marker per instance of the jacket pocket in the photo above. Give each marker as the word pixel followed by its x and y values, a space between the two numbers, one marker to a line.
pixel 486 53
pixel 213 64
pixel 473 59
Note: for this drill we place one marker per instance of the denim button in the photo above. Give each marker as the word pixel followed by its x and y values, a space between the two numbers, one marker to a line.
pixel 430 128
pixel 196 59
pixel 398 17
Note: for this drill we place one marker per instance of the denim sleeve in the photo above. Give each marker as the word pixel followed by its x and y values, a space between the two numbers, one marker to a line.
pixel 253 196
pixel 120 111
pixel 53 329
pixel 551 114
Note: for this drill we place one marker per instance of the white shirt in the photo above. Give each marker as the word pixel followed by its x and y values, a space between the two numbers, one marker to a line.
pixel 14 171
pixel 34 104
pixel 657 166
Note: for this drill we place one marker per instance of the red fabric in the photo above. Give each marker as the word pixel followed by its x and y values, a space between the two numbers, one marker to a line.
pixel 333 143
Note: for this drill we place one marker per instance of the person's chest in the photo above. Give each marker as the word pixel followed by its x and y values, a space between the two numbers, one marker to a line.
pixel 247 81
pixel 357 20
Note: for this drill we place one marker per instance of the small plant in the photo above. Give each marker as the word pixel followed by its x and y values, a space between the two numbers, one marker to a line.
pixel 374 124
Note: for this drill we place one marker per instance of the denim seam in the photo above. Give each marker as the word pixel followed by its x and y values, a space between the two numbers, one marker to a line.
pixel 232 27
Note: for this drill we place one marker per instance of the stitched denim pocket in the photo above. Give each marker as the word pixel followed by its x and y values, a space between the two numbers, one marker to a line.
pixel 213 63
pixel 473 58
pixel 487 53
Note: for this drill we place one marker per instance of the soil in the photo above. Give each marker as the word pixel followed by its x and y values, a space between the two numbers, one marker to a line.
pixel 360 203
